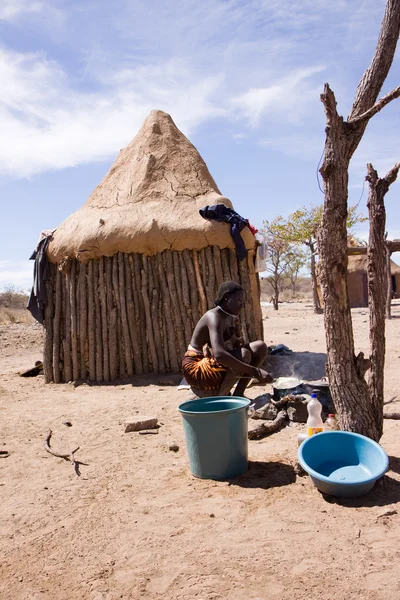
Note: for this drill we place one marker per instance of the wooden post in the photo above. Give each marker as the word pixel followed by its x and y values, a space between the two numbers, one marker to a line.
pixel 218 265
pixel 233 264
pixel 184 314
pixel 155 297
pixel 130 307
pixel 137 291
pixel 149 325
pixel 203 300
pixel 254 298
pixel 179 330
pixel 117 303
pixel 48 329
pixel 98 323
pixel 124 319
pixel 91 324
pixel 56 327
pixel 74 323
pixel 211 283
pixel 225 264
pixel 113 317
pixel 170 337
pixel 104 318
pixel 194 297
pixel 67 328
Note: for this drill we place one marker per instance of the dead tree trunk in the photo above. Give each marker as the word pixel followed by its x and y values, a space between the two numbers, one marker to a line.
pixel 377 286
pixel 346 371
pixel 388 283
pixel 314 284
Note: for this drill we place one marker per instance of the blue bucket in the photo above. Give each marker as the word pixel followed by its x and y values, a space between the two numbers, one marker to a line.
pixel 216 436
pixel 342 463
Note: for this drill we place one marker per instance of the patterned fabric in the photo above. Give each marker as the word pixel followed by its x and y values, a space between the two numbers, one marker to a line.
pixel 202 372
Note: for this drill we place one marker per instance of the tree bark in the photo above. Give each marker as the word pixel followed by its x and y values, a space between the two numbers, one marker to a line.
pixel 388 272
pixel 314 284
pixel 377 286
pixel 346 371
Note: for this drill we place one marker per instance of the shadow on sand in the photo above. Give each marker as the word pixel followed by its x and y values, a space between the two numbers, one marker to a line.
pixel 385 492
pixel 265 475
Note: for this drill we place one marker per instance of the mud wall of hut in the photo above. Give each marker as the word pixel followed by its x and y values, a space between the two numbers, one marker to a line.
pixel 130 314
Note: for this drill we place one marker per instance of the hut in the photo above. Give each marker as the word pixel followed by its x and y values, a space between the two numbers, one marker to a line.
pixel 357 279
pixel 134 268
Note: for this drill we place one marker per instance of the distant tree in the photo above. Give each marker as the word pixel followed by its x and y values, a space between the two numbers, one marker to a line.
pixel 281 257
pixel 300 228
pixel 297 262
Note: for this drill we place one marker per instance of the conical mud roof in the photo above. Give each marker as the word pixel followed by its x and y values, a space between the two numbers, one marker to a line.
pixel 148 202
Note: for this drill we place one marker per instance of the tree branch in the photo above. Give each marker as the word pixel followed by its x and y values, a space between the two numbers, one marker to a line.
pixel 376 108
pixel 374 77
pixel 391 176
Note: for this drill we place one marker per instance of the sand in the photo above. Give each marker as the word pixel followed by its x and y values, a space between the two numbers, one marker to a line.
pixel 136 524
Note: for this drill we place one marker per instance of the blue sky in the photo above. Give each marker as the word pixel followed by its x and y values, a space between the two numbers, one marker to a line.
pixel 241 78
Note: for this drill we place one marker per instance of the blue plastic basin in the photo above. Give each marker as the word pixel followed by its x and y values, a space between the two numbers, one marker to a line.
pixel 341 463
pixel 216 436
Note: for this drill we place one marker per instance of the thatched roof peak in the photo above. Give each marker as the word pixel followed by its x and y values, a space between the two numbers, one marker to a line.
pixel 148 201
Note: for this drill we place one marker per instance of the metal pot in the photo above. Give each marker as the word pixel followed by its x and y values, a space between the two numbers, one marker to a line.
pixel 287 385
pixel 324 394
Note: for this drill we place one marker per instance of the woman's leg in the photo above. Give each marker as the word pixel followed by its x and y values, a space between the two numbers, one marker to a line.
pixel 258 351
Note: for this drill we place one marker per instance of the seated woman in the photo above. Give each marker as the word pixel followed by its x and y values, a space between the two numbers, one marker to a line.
pixel 216 358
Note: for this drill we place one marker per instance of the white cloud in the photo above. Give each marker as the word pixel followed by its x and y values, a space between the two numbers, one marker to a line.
pixel 11 9
pixel 290 95
pixel 16 273
pixel 49 125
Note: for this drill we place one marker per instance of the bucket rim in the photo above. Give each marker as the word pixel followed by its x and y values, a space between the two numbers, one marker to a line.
pixel 242 403
pixel 323 478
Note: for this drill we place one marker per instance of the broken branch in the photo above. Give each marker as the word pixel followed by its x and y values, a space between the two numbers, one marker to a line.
pixel 69 457
pixel 376 107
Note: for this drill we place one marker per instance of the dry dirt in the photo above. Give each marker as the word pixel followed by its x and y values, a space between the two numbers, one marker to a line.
pixel 136 524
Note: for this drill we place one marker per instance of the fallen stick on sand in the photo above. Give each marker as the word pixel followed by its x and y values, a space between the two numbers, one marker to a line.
pixel 70 457
pixel 268 428
pixel 391 416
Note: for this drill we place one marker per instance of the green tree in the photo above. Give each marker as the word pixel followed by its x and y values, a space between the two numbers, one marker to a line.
pixel 282 257
pixel 298 261
pixel 300 228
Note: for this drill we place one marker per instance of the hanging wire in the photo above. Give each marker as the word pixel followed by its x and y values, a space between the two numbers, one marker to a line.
pixel 317 172
pixel 362 194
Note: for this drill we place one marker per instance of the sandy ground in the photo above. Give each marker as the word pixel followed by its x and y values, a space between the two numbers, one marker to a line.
pixel 136 524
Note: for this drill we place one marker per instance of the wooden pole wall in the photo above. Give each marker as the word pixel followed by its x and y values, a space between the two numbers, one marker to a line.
pixel 130 314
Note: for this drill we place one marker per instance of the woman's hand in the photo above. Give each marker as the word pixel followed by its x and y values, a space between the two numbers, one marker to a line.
pixel 263 376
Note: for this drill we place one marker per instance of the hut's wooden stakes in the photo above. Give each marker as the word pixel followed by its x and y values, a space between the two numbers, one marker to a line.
pixel 135 268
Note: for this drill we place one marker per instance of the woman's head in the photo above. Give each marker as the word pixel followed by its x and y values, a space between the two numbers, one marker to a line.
pixel 230 297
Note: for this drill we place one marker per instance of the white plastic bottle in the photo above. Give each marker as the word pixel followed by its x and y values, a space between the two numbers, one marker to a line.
pixel 331 424
pixel 314 421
